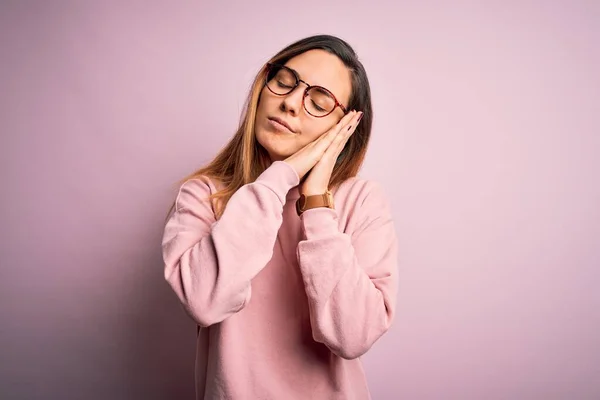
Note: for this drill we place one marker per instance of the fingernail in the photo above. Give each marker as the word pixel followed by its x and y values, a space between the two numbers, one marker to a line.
pixel 359 118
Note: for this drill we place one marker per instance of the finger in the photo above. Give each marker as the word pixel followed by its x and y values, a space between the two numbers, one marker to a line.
pixel 339 142
pixel 341 139
pixel 348 130
pixel 336 148
pixel 337 128
pixel 325 140
pixel 354 121
pixel 347 120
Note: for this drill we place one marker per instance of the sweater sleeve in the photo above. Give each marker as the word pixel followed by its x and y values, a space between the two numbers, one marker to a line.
pixel 208 263
pixel 351 280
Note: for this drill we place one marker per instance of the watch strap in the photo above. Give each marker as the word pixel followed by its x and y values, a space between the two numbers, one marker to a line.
pixel 314 201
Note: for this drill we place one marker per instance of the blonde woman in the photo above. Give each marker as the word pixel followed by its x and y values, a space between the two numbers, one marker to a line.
pixel 283 256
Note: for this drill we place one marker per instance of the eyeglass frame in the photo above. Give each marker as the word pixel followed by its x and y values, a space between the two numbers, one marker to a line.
pixel 308 87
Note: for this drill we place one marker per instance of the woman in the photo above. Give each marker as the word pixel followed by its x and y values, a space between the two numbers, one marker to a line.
pixel 287 260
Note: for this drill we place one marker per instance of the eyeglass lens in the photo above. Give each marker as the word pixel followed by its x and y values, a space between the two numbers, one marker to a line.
pixel 318 102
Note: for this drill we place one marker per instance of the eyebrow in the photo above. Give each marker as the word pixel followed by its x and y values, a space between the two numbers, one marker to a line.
pixel 320 86
pixel 298 74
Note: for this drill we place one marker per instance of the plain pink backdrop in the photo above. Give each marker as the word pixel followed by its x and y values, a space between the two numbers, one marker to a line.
pixel 486 135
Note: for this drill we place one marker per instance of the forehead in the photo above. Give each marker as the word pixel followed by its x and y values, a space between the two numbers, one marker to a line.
pixel 318 67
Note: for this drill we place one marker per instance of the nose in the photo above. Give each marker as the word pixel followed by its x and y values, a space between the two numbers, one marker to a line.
pixel 292 102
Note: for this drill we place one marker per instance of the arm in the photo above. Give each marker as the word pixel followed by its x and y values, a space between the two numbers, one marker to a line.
pixel 351 281
pixel 209 264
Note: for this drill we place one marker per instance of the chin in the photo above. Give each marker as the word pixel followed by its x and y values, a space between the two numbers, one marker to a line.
pixel 272 144
pixel 276 155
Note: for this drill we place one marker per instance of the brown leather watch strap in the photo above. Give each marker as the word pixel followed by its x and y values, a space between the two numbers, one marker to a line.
pixel 318 200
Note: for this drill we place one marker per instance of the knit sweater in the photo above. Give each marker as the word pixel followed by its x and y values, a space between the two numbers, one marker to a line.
pixel 285 305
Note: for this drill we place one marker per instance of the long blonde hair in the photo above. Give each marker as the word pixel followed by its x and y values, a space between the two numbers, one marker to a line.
pixel 243 159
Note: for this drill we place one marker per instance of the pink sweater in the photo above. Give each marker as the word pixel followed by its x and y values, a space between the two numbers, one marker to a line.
pixel 286 305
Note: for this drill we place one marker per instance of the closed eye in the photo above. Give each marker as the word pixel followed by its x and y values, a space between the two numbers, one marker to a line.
pixel 283 85
pixel 317 106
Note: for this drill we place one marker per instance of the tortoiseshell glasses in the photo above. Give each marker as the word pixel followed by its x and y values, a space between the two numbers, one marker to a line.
pixel 317 101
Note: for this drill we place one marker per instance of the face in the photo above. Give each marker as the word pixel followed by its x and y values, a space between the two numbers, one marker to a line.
pixel 317 68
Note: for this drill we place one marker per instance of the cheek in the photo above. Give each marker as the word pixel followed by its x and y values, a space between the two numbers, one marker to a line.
pixel 316 128
pixel 266 102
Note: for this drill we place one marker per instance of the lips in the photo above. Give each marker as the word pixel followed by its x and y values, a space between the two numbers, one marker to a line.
pixel 282 122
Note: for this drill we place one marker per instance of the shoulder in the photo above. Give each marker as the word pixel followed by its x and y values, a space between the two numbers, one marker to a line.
pixel 195 192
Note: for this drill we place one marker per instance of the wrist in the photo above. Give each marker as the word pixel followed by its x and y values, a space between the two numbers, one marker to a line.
pixel 314 190
pixel 307 202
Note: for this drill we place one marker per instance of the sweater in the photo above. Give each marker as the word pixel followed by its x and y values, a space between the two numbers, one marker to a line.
pixel 285 304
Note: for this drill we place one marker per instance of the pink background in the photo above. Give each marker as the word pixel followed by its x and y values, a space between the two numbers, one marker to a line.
pixel 486 135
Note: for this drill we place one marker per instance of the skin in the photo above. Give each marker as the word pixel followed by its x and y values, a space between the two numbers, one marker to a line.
pixel 315 144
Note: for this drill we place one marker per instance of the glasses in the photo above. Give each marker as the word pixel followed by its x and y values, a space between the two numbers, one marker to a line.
pixel 317 101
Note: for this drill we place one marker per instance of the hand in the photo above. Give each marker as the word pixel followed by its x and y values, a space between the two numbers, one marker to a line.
pixel 321 155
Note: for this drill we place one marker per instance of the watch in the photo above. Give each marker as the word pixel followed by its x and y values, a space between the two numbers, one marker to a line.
pixel 318 200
